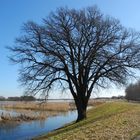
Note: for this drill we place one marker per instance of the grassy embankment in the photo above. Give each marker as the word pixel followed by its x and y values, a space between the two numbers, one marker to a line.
pixel 108 121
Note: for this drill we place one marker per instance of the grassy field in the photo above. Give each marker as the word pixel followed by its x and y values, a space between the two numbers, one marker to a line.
pixel 108 121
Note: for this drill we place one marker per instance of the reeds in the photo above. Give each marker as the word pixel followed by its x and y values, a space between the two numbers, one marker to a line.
pixel 46 106
pixel 22 116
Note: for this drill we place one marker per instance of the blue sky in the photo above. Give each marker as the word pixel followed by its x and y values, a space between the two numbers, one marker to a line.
pixel 13 13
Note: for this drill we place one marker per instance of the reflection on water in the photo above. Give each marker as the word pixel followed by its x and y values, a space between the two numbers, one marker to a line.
pixel 8 128
pixel 11 112
pixel 27 130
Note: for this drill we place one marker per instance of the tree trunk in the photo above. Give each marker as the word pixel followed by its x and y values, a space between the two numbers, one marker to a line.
pixel 81 109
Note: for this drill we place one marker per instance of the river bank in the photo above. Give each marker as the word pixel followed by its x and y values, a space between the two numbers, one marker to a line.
pixel 28 111
pixel 21 127
pixel 111 120
pixel 26 130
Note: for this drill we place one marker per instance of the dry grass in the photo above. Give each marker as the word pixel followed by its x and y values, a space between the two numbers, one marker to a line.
pixel 22 117
pixel 28 111
pixel 109 121
pixel 25 115
pixel 47 106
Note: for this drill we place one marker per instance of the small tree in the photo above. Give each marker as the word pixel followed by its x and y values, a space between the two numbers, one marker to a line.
pixel 79 49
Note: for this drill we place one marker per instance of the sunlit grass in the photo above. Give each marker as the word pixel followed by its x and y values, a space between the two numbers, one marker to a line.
pixel 109 121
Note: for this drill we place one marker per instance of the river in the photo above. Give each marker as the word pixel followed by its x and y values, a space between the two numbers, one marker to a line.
pixel 28 130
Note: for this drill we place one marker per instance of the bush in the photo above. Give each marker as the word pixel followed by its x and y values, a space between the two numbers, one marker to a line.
pixel 133 92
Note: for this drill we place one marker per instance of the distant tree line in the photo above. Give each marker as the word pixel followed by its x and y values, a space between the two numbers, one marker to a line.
pixel 133 92
pixel 118 97
pixel 21 98
pixel 2 98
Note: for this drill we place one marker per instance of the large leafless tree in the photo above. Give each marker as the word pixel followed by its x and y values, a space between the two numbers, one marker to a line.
pixel 80 49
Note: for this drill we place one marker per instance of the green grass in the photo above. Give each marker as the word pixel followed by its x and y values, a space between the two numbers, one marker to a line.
pixel 109 121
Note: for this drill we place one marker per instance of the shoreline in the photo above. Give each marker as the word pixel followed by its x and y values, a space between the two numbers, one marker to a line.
pixel 30 111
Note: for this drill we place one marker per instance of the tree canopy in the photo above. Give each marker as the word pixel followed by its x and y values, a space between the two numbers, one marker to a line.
pixel 78 49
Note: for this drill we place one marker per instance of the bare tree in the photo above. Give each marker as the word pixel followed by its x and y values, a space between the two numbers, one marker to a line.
pixel 80 49
pixel 133 92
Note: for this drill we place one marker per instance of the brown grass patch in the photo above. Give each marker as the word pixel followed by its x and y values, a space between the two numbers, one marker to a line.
pixel 47 106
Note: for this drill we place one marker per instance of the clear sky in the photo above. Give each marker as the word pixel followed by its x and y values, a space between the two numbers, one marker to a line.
pixel 13 13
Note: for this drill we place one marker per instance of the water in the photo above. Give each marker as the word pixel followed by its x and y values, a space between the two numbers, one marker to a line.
pixel 28 130
pixel 11 112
